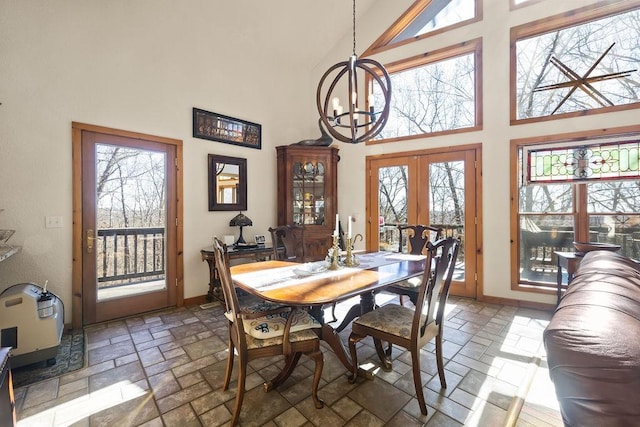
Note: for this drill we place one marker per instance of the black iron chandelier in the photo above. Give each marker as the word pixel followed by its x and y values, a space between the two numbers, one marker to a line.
pixel 353 124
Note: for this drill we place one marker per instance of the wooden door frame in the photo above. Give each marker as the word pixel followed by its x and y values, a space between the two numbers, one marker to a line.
pixel 76 278
pixel 477 149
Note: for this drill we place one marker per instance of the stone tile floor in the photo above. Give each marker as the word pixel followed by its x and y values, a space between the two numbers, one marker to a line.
pixel 166 369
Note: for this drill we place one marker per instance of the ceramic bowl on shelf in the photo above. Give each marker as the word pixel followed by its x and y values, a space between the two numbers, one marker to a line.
pixel 585 247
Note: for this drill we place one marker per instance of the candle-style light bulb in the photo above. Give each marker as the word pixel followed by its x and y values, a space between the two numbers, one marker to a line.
pixel 337 108
pixel 370 99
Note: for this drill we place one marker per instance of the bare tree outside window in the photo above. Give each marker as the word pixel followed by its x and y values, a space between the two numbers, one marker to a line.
pixel 130 214
pixel 393 194
pixel 130 187
pixel 587 66
pixel 393 184
pixel 433 97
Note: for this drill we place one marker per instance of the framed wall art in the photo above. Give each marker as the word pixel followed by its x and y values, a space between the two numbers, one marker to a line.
pixel 217 127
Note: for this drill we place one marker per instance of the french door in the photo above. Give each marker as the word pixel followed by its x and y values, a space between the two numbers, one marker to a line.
pixel 439 188
pixel 128 225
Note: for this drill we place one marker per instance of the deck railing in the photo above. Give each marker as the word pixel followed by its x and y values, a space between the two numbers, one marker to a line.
pixel 130 255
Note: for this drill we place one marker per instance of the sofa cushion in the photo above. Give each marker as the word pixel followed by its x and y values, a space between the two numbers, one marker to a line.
pixel 593 343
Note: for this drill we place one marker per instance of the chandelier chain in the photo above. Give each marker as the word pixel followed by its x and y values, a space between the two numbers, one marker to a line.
pixel 354 27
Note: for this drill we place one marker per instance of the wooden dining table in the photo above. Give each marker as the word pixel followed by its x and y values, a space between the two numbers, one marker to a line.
pixel 312 285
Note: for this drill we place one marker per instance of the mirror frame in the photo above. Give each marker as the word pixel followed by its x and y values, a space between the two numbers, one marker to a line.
pixel 241 204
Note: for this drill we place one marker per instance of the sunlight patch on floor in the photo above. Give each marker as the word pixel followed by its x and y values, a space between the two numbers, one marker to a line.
pixel 83 407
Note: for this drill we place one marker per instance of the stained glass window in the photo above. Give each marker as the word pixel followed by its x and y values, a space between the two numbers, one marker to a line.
pixel 609 161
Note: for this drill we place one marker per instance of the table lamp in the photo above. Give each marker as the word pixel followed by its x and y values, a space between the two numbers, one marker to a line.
pixel 240 220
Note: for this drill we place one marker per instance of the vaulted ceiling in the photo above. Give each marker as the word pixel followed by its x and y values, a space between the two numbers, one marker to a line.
pixel 302 29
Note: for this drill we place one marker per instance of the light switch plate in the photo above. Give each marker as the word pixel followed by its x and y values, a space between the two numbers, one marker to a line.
pixel 53 221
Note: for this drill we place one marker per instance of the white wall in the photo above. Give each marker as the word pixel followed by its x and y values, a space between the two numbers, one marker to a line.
pixel 495 136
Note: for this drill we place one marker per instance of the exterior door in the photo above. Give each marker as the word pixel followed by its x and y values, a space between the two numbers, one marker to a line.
pixel 128 226
pixel 447 183
pixel 430 188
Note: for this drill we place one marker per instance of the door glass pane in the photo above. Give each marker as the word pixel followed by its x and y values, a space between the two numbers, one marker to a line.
pixel 130 220
pixel 447 204
pixel 392 197
pixel 613 214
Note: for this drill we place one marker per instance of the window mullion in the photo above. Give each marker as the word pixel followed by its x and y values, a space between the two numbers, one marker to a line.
pixel 581 213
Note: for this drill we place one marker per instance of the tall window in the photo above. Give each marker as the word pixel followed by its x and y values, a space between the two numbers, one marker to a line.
pixel 559 209
pixel 433 93
pixel 586 60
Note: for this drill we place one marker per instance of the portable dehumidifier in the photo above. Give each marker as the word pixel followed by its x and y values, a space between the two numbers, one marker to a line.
pixel 31 322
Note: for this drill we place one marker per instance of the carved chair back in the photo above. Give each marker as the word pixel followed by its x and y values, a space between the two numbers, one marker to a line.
pixel 291 238
pixel 417 237
pixel 434 291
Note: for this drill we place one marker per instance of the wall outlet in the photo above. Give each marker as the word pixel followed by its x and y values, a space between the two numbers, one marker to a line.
pixel 53 222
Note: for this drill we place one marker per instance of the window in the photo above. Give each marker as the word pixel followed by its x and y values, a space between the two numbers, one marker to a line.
pixel 437 15
pixel 550 216
pixel 433 93
pixel 578 62
pixel 425 18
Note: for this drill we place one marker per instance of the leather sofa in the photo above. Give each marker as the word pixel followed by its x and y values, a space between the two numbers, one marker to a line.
pixel 593 343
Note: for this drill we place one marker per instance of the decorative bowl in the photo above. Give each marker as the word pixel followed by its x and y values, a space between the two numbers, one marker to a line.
pixel 585 247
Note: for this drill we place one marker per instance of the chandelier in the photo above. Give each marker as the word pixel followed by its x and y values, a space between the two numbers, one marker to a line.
pixel 353 124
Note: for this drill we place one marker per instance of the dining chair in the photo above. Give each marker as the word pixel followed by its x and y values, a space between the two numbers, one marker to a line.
pixel 411 328
pixel 291 238
pixel 417 237
pixel 284 330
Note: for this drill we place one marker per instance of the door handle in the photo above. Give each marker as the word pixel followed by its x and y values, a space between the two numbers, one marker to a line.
pixel 90 239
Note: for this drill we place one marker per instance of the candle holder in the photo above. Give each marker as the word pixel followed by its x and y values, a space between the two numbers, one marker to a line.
pixel 350 260
pixel 335 253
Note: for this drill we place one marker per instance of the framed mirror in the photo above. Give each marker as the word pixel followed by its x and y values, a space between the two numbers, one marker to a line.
pixel 227 183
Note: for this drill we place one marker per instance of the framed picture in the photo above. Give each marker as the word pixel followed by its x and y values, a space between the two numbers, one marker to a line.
pixel 216 127
pixel 260 240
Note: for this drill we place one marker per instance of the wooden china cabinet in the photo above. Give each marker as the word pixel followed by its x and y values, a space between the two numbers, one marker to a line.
pixel 308 194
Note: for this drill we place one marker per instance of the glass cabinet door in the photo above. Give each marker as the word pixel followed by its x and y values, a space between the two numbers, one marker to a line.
pixel 308 193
